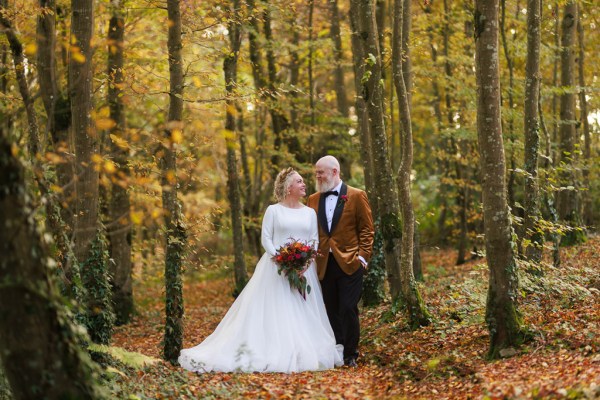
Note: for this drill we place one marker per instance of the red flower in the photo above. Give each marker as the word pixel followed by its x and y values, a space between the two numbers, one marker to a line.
pixel 344 198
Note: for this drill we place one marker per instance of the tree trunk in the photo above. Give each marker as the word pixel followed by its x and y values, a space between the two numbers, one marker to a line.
pixel 58 208
pixel 501 311
pixel 463 204
pixel 5 118
pixel 86 140
pixel 279 120
pixel 19 62
pixel 555 67
pixel 406 59
pixel 373 285
pixel 511 102
pixel 533 232
pixel 233 190
pixel 588 206
pixel 175 229
pixel 362 16
pixel 548 198
pixel 335 34
pixel 119 229
pixel 418 314
pixel 567 201
pixel 46 361
pixel 311 82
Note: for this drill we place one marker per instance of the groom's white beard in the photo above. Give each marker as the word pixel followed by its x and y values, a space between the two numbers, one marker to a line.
pixel 325 185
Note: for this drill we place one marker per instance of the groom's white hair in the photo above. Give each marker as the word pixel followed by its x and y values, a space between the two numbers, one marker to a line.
pixel 329 162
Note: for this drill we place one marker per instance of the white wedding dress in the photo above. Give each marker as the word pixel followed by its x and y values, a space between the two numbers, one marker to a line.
pixel 270 327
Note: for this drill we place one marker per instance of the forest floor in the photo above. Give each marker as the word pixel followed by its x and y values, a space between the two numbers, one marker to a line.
pixel 446 360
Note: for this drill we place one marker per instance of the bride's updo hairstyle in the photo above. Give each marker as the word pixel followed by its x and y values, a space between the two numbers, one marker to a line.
pixel 283 182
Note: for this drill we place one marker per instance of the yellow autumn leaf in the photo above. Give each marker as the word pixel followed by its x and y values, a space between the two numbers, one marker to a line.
pixel 31 49
pixel 97 159
pixel 122 143
pixel 105 123
pixel 176 136
pixel 156 213
pixel 77 56
pixel 56 188
pixel 171 178
pixel 227 134
pixel 103 112
pixel 137 217
pixel 231 109
pixel 54 158
pixel 110 167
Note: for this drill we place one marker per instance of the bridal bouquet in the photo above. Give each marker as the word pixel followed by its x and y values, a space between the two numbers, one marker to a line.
pixel 292 259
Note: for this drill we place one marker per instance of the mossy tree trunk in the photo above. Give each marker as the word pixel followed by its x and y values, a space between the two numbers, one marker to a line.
pixel 59 208
pixel 362 20
pixel 47 361
pixel 418 314
pixel 501 312
pixel 373 286
pixel 567 201
pixel 119 229
pixel 175 230
pixel 533 232
pixel 84 132
pixel 588 204
pixel 233 190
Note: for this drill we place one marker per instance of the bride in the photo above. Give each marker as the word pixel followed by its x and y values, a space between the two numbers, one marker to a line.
pixel 270 327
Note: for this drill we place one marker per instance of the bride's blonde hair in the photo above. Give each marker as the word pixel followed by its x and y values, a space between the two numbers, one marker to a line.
pixel 283 182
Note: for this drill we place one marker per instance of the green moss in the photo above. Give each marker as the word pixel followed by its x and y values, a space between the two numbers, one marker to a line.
pixel 391 229
pixel 373 284
pixel 99 317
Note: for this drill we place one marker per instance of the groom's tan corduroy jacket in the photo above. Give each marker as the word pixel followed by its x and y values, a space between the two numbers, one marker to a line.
pixel 351 229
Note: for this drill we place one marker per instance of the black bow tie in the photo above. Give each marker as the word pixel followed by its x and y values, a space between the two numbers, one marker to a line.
pixel 330 193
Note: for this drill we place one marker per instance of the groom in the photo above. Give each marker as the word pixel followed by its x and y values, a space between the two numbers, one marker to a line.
pixel 345 242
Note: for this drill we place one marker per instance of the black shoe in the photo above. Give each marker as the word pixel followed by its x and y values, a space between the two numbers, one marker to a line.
pixel 350 363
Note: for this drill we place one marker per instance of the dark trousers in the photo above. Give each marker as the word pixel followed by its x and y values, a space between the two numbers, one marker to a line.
pixel 341 293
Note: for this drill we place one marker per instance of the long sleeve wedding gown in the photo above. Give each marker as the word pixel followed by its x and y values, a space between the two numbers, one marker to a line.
pixel 270 327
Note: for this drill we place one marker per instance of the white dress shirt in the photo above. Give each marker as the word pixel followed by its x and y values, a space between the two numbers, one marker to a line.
pixel 330 203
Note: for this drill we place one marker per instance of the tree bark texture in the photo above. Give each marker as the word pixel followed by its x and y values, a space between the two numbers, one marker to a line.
pixel 418 314
pixel 532 133
pixel 175 229
pixel 60 207
pixel 588 207
pixel 119 229
pixel 84 132
pixel 233 189
pixel 338 74
pixel 47 362
pixel 362 17
pixel 501 312
pixel 511 102
pixel 567 202
pixel 373 286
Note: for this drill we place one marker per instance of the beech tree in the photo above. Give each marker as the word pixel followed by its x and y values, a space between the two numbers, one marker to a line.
pixel 119 229
pixel 175 235
pixel 501 312
pixel 533 231
pixel 568 199
pixel 49 362
pixel 233 191
pixel 419 315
